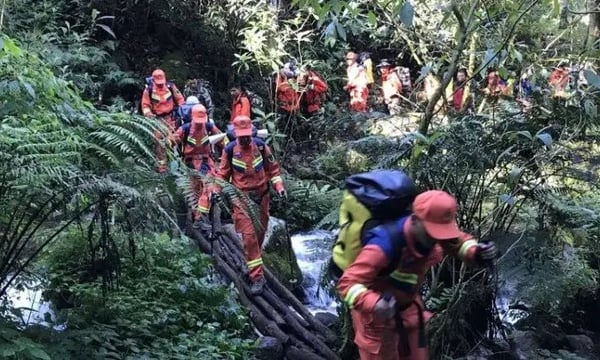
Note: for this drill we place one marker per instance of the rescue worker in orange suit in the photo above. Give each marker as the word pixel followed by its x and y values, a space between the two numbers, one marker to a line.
pixel 197 151
pixel 558 81
pixel 250 164
pixel 313 87
pixel 495 86
pixel 357 83
pixel 240 105
pixel 460 100
pixel 160 101
pixel 391 86
pixel 389 308
pixel 288 98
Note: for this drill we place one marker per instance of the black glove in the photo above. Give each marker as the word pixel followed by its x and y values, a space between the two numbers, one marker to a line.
pixel 282 194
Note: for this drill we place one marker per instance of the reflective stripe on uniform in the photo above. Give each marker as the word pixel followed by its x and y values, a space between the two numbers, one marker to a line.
pixel 238 164
pixel 408 278
pixel 162 162
pixel 147 111
pixel 203 210
pixel 464 248
pixel 257 163
pixel 204 140
pixel 191 140
pixel 165 97
pixel 353 293
pixel 276 179
pixel 254 263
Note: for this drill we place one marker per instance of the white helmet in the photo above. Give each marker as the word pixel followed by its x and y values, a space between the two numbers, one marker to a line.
pixel 192 100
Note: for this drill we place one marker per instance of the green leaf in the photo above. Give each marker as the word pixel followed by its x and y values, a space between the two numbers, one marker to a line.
pixel 407 14
pixel 518 56
pixel 545 138
pixel 515 174
pixel 526 134
pixel 592 78
pixel 372 18
pixel 37 353
pixel 340 30
pixel 107 29
pixel 29 89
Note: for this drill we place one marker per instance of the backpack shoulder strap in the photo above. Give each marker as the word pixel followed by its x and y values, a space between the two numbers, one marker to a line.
pixel 395 231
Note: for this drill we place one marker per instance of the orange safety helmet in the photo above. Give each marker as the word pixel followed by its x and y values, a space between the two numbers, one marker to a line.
pixel 198 113
pixel 159 77
pixel 242 126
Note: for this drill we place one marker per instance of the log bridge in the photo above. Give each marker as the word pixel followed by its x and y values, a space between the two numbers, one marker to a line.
pixel 276 312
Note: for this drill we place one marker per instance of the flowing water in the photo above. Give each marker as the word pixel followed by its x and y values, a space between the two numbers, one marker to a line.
pixel 313 250
pixel 32 309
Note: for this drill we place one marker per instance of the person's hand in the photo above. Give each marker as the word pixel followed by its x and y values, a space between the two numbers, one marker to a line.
pixel 385 308
pixel 487 251
pixel 282 194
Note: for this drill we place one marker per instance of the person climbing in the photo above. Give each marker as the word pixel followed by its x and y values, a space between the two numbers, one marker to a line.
pixel 382 284
pixel 312 87
pixel 240 105
pixel 460 98
pixel 197 150
pixel 357 83
pixel 391 86
pixel 159 98
pixel 250 164
pixel 523 91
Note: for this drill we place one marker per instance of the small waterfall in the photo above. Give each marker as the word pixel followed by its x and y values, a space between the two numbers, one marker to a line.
pixel 313 250
pixel 34 310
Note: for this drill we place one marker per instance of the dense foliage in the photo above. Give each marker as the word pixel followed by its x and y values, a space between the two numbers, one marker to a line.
pixel 78 185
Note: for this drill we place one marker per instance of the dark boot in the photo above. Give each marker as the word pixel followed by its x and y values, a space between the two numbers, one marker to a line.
pixel 257 286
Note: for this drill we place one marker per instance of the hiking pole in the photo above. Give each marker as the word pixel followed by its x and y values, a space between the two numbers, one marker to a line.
pixel 212 217
pixel 290 248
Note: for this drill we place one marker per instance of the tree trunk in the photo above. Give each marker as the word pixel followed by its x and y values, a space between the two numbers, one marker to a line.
pixel 594 23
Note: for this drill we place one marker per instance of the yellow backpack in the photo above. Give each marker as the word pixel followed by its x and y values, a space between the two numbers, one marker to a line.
pixel 369 199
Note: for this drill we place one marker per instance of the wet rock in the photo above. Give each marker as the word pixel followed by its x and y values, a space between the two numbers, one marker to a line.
pixel 308 281
pixel 526 341
pixel 269 348
pixel 327 319
pixel 279 256
pixel 581 344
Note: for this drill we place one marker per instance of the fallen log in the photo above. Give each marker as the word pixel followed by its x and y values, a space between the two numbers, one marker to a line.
pixel 262 323
pixel 295 353
pixel 297 305
pixel 277 312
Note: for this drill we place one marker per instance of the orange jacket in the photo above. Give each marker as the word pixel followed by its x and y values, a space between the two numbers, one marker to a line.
pixel 240 106
pixel 315 87
pixel 287 96
pixel 559 79
pixel 362 284
pixel 250 168
pixel 197 143
pixel 162 101
pixel 390 85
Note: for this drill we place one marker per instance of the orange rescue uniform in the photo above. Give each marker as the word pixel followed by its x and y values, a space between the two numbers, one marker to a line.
pixel 357 87
pixel 362 284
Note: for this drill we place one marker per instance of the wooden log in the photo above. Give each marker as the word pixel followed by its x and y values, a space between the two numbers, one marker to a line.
pixel 258 318
pixel 281 307
pixel 309 337
pixel 270 305
pixel 296 353
pixel 282 291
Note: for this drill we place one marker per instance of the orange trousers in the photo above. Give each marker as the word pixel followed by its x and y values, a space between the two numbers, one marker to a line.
pixel 358 99
pixel 206 167
pixel 159 148
pixel 379 339
pixel 252 239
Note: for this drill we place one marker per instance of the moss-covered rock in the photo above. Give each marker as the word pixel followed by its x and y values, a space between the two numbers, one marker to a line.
pixel 278 255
